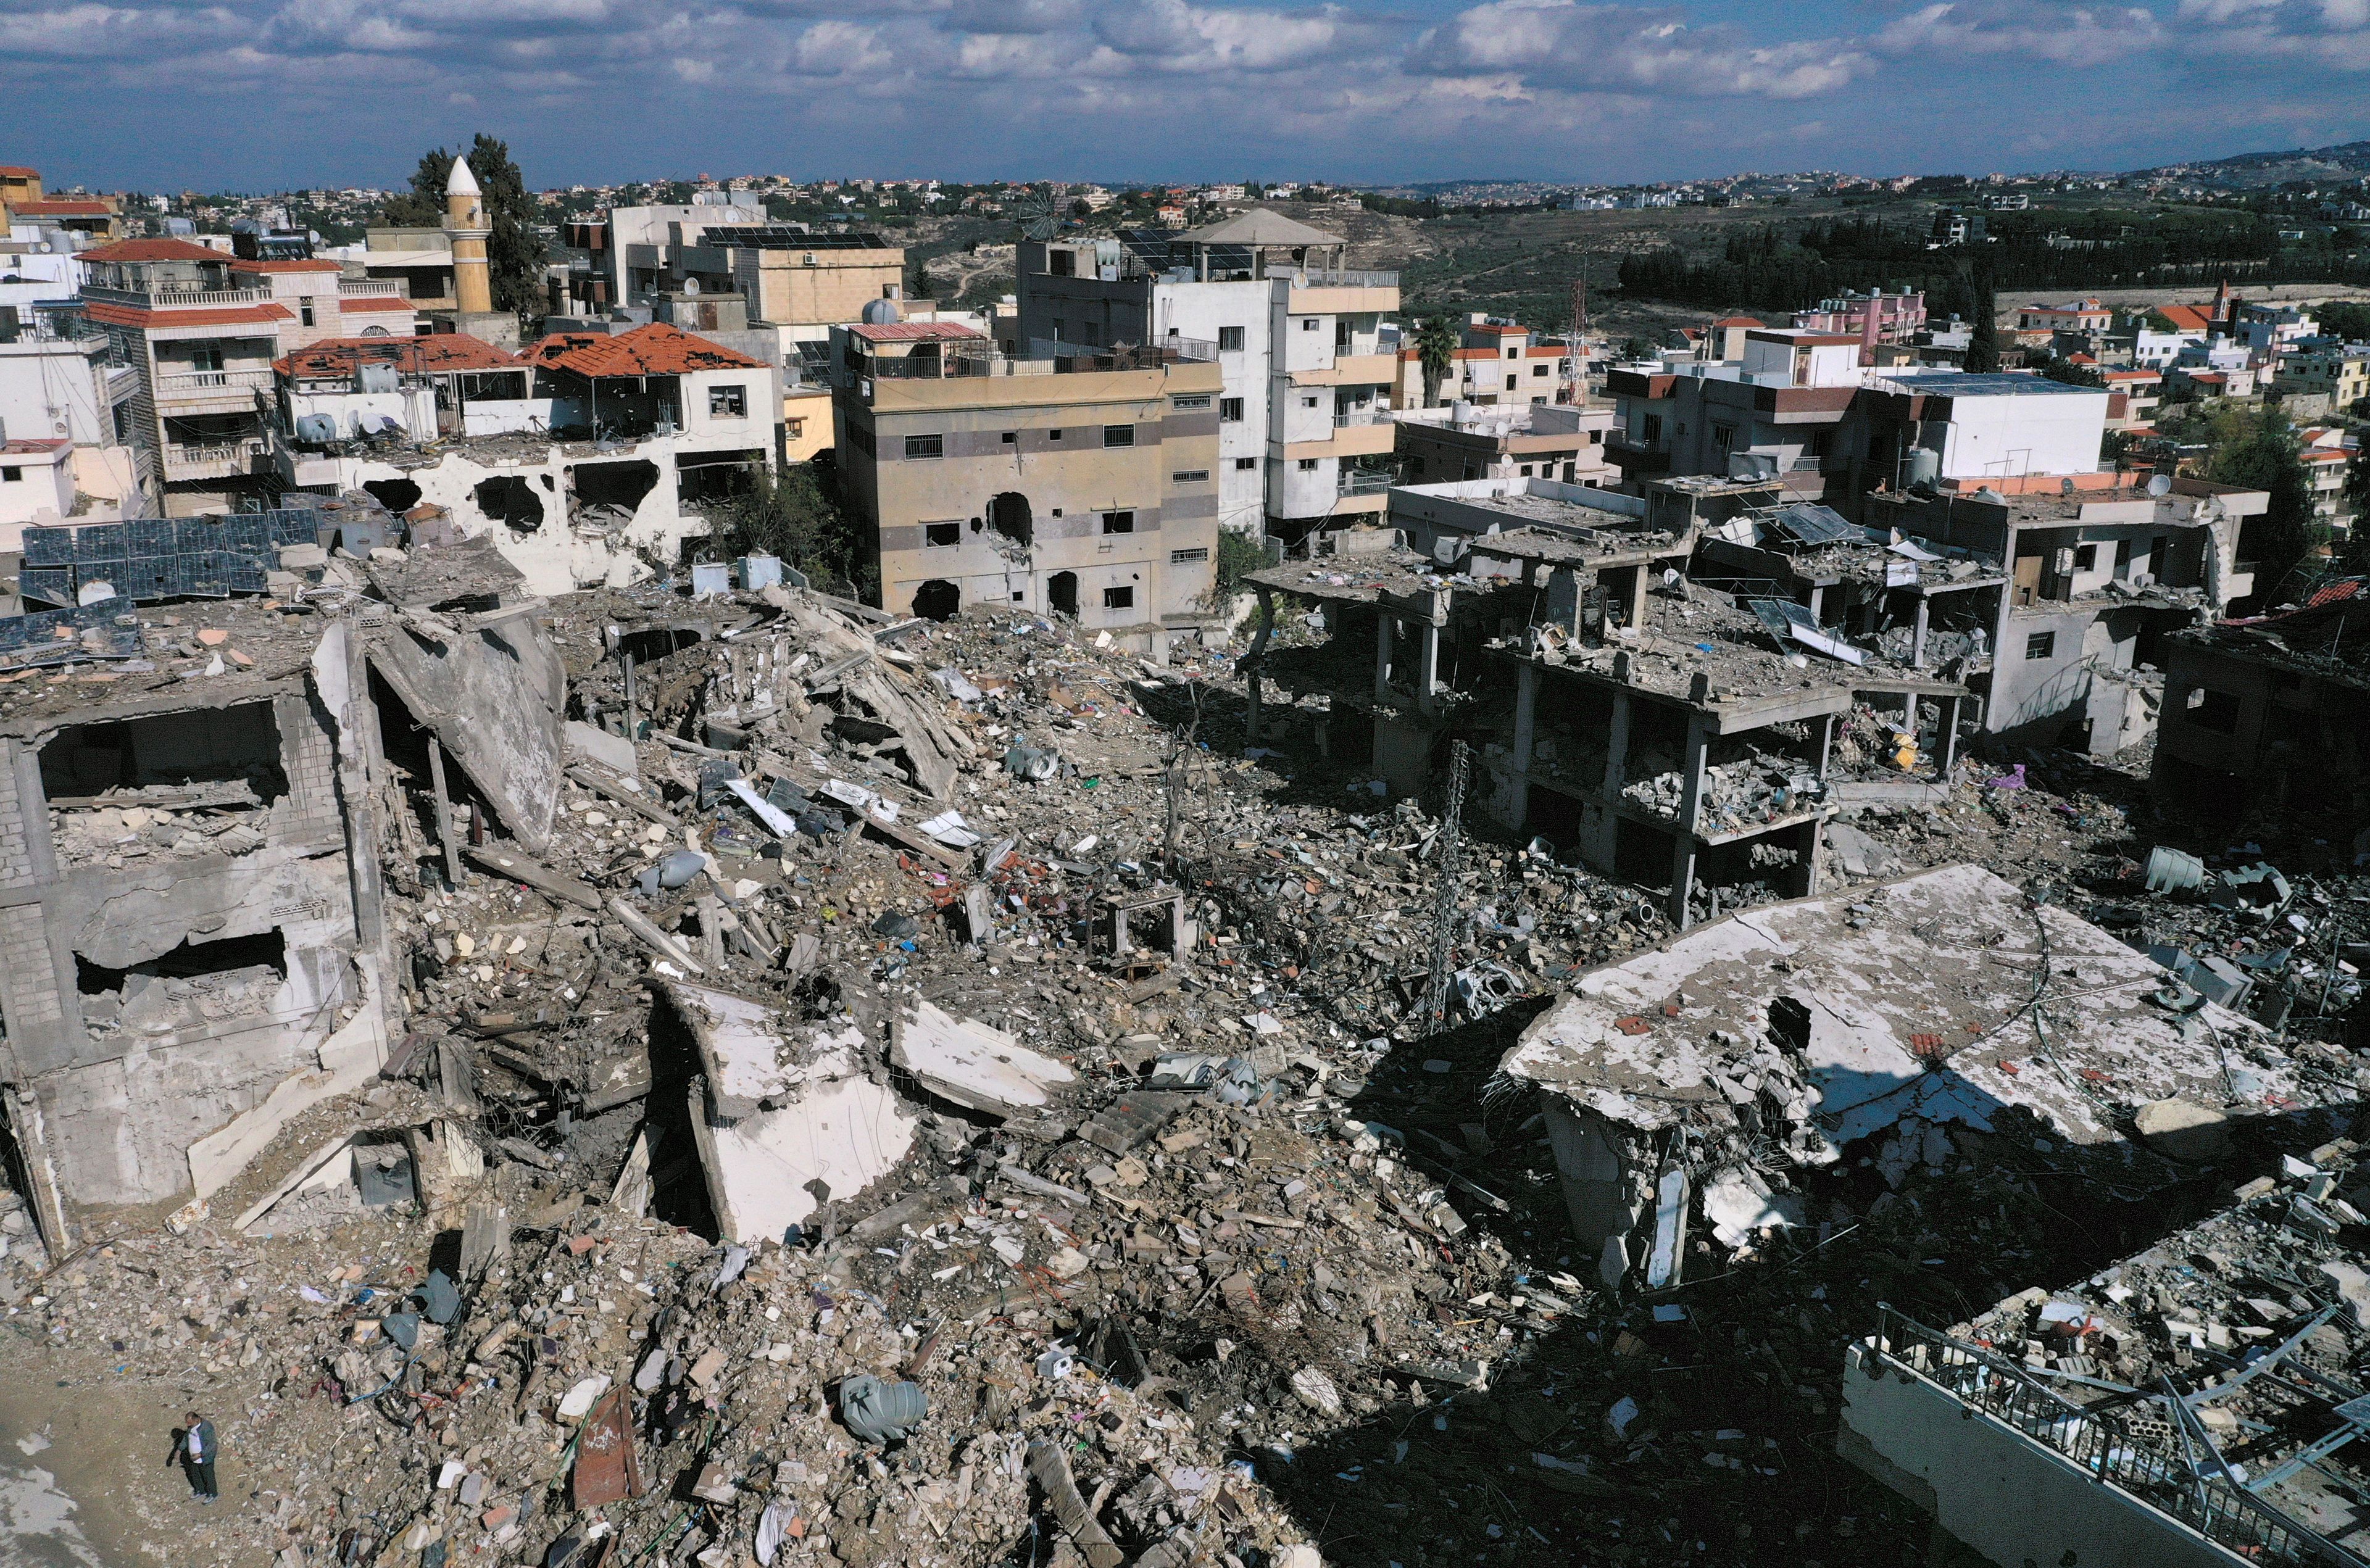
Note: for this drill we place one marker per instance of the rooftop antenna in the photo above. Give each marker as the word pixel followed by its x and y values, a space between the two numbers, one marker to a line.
pixel 1578 367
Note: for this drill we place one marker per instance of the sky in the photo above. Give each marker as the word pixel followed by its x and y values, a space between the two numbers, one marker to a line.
pixel 261 95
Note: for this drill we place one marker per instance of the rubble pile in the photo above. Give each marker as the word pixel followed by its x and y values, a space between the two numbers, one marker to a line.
pixel 874 1091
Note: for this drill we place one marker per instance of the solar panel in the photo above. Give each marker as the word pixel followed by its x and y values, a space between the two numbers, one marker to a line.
pixel 112 572
pixel 12 632
pixel 49 546
pixel 99 542
pixel 144 579
pixel 48 585
pixel 1810 523
pixel 1791 624
pixel 778 236
pixel 149 536
pixel 293 526
pixel 195 535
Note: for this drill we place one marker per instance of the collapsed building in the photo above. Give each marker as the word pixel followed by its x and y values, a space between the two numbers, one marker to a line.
pixel 2201 1401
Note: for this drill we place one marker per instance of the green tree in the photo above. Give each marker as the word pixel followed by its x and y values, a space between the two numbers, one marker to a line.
pixel 796 515
pixel 1435 350
pixel 514 254
pixel 2349 319
pixel 1982 343
pixel 918 286
pixel 2267 457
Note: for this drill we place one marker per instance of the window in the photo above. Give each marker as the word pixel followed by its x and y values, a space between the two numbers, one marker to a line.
pixel 925 446
pixel 861 438
pixel 2041 645
pixel 1526 470
pixel 1090 334
pixel 1190 477
pixel 1309 324
pixel 1512 381
pixel 206 357
pixel 2212 710
pixel 2085 557
pixel 1539 370
pixel 1052 435
pixel 938 535
pixel 728 402
pixel 1308 465
pixel 1723 437
pixel 1199 400
pixel 1230 410
pixel 11 476
pixel 1230 339
pixel 1308 403
pixel 1245 465
pixel 1122 598
pixel 798 427
pixel 1513 353
pixel 1011 437
pixel 1118 522
pixel 304 310
pixel 1187 557
pixel 1119 435
pixel 1653 427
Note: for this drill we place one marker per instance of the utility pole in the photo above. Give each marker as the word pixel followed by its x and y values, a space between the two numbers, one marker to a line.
pixel 1578 356
pixel 1435 1010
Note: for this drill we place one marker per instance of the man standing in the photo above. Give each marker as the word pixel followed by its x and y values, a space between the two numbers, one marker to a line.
pixel 198 1447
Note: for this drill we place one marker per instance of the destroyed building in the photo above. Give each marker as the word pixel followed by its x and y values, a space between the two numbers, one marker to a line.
pixel 2273 714
pixel 2096 580
pixel 2201 1401
pixel 1713 1079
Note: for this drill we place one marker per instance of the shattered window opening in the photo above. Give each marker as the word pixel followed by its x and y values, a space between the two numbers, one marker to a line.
pixel 169 782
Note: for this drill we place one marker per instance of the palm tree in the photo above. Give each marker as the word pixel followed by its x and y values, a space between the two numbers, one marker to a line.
pixel 1435 350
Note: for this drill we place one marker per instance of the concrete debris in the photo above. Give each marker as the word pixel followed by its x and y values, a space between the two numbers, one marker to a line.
pixel 622 1077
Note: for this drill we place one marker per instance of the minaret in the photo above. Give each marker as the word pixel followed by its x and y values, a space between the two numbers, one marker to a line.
pixel 465 226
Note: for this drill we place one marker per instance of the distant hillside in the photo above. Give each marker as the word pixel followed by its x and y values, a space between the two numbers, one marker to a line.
pixel 2251 170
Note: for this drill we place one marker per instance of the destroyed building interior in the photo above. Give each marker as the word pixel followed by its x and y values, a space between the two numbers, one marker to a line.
pixel 1572 1036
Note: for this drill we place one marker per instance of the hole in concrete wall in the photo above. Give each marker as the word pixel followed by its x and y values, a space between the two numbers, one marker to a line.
pixel 1789 1023
pixel 169 751
pixel 1554 817
pixel 403 739
pixel 716 477
pixel 1062 593
pixel 938 600
pixel 265 950
pixel 678 1189
pixel 1009 514
pixel 653 643
pixel 615 484
pixel 397 496
pixel 510 501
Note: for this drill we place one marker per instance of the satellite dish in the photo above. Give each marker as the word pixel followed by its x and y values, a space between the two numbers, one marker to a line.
pixel 1040 212
pixel 2160 485
pixel 1669 576
pixel 2065 485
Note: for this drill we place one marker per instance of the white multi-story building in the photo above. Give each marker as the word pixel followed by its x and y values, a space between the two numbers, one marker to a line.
pixel 1307 347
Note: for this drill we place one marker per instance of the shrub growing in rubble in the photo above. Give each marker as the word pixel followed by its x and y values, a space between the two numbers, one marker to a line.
pixel 796 515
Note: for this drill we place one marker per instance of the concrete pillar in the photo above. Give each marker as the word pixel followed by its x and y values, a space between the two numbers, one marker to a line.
pixel 1526 714
pixel 1251 660
pixel 1683 845
pixel 1641 577
pixel 1826 743
pixel 1427 684
pixel 1949 735
pixel 1818 597
pixel 1617 747
pixel 1918 638
pixel 1387 631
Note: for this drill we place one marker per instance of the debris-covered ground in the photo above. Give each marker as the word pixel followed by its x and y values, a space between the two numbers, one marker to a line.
pixel 939 1097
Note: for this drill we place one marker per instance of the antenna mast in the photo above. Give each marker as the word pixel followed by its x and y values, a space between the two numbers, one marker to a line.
pixel 1577 360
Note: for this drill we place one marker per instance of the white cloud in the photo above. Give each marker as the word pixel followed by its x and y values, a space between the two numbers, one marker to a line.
pixel 1561 43
pixel 2063 35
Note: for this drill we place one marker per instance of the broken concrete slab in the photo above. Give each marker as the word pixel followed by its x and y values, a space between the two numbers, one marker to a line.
pixel 972 1064
pixel 486 695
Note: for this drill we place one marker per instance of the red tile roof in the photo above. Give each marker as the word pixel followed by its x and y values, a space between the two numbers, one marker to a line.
pixel 18 171
pixel 2187 318
pixel 655 350
pixel 315 265
pixel 1744 321
pixel 441 351
pixel 1496 329
pixel 57 209
pixel 110 314
pixel 154 250
pixel 372 302
pixel 913 331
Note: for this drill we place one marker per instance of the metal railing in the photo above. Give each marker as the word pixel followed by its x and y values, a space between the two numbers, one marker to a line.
pixel 369 286
pixel 1358 416
pixel 1342 277
pixel 1062 358
pixel 1360 482
pixel 215 455
pixel 2106 1444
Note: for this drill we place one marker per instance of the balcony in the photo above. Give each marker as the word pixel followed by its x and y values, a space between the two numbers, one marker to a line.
pixel 1363 482
pixel 212 460
pixel 1342 277
pixel 382 288
pixel 183 385
pixel 1360 417
pixel 177 299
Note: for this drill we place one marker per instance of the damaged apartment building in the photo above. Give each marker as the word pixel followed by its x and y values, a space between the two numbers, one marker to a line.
pixel 1688 733
pixel 1064 480
pixel 589 458
pixel 192 800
